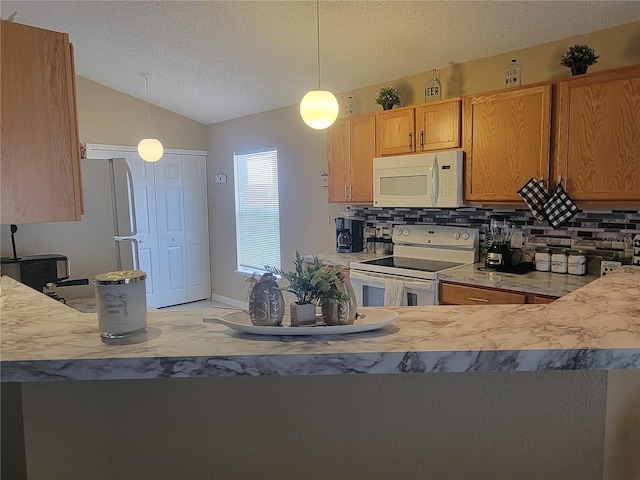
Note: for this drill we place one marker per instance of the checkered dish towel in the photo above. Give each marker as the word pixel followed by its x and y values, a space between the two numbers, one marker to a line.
pixel 535 196
pixel 559 209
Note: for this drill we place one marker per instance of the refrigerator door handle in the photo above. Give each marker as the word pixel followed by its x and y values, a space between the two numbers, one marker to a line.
pixel 134 223
pixel 136 254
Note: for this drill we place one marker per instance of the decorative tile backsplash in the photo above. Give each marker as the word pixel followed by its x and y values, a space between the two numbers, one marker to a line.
pixel 602 234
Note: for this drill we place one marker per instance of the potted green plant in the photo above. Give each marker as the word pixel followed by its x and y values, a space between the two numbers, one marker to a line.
pixel 311 282
pixel 578 58
pixel 388 97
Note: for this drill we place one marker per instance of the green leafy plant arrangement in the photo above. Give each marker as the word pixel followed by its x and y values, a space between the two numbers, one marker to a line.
pixel 388 96
pixel 579 56
pixel 311 281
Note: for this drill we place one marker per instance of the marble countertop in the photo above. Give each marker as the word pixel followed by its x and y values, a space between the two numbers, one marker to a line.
pixel 540 283
pixel 596 327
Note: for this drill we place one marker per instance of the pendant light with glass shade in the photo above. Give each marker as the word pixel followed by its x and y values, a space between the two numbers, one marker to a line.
pixel 319 108
pixel 150 149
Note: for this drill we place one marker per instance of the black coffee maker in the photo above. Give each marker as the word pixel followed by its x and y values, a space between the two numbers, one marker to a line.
pixel 349 233
pixel 499 251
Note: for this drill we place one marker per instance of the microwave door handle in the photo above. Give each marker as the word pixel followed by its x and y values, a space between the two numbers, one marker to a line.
pixel 434 182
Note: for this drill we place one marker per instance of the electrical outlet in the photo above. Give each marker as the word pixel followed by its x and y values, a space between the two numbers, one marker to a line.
pixel 607 266
pixel 516 239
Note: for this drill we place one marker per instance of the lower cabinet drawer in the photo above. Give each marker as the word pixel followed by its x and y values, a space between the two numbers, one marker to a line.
pixel 453 294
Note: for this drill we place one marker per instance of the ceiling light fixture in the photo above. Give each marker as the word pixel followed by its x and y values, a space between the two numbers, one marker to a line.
pixel 150 149
pixel 319 108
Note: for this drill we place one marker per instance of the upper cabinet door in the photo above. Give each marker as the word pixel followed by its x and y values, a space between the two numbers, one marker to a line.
pixel 438 125
pixel 363 146
pixel 507 141
pixel 40 178
pixel 338 150
pixel 599 135
pixel 395 131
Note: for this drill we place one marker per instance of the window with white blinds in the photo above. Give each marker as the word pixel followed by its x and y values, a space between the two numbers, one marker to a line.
pixel 257 210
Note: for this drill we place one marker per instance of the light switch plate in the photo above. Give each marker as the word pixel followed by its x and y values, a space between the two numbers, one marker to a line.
pixel 607 266
pixel 516 238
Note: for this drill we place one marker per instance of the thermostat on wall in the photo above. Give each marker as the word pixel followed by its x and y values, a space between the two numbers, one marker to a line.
pixel 221 177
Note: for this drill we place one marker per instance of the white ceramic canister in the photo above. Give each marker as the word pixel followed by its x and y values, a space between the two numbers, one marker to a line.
pixel 559 262
pixel 121 300
pixel 543 259
pixel 577 262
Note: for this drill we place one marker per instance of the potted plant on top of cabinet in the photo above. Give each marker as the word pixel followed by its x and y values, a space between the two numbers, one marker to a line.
pixel 388 97
pixel 578 58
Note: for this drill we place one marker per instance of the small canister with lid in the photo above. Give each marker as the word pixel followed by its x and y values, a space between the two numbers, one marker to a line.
pixel 559 262
pixel 543 259
pixel 121 299
pixel 577 262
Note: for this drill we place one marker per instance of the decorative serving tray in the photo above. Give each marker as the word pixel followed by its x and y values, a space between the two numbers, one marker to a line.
pixel 369 318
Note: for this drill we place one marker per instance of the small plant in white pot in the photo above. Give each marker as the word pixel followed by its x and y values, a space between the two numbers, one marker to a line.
pixel 309 282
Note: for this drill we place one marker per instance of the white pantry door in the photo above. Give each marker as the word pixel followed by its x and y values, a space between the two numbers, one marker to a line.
pixel 194 184
pixel 171 235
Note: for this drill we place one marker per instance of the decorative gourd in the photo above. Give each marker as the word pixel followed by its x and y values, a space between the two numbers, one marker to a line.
pixel 266 303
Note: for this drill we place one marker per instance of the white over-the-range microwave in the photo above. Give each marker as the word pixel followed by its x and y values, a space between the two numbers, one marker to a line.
pixel 420 180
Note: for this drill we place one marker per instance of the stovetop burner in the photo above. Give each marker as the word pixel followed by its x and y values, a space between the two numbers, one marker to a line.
pixel 412 264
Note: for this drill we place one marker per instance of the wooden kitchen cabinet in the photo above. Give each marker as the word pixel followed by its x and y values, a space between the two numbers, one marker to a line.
pixel 395 131
pixel 420 128
pixel 438 125
pixel 351 148
pixel 40 147
pixel 451 293
pixel 456 294
pixel 598 135
pixel 541 299
pixel 507 141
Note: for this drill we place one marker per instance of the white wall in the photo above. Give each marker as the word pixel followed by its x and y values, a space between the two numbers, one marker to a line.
pixel 302 158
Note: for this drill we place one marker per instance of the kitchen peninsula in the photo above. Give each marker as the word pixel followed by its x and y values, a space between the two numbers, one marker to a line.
pixel 497 394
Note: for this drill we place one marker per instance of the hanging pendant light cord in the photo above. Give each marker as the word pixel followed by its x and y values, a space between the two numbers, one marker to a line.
pixel 318 32
pixel 146 80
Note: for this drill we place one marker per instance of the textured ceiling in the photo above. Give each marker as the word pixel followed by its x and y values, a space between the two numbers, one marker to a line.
pixel 217 60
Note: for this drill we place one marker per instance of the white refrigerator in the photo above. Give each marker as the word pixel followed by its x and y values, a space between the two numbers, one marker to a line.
pixel 110 211
pixel 119 221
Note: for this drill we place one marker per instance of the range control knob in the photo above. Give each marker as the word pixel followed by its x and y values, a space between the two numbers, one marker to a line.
pixel 456 235
pixel 465 236
pixel 398 231
pixel 405 232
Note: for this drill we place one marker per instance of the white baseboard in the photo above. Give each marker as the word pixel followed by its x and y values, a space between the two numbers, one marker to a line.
pixel 229 301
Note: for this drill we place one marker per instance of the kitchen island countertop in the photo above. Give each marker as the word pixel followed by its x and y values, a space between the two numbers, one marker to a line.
pixel 596 327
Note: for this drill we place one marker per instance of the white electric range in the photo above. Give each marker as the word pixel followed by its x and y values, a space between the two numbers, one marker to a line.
pixel 410 275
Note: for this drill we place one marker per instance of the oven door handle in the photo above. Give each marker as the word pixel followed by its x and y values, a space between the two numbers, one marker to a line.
pixel 381 277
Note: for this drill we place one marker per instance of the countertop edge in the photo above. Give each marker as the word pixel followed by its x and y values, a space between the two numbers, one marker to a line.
pixel 477 361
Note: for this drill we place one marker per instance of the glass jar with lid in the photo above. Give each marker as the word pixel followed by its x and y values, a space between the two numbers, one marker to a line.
pixel 543 259
pixel 559 262
pixel 577 262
